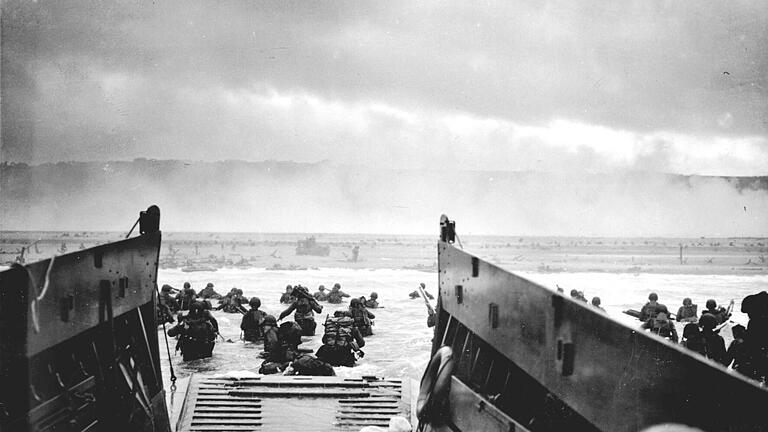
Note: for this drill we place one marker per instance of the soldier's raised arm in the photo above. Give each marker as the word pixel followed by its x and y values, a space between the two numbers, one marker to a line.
pixel 290 309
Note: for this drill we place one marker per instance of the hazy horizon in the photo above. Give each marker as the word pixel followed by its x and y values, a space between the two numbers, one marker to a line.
pixel 287 197
pixel 761 174
pixel 543 118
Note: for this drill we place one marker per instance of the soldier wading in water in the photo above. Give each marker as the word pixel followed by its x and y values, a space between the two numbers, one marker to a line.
pixel 252 321
pixel 305 305
pixel 197 333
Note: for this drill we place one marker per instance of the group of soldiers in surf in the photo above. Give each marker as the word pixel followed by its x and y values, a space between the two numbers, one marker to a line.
pixel 334 296
pixel 232 302
pixel 343 336
pixel 746 354
pixel 197 330
pixel 579 295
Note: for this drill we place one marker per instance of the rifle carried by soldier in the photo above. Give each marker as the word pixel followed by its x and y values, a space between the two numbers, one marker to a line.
pixel 432 318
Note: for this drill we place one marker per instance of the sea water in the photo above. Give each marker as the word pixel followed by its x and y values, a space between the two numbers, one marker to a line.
pixel 401 343
pixel 400 346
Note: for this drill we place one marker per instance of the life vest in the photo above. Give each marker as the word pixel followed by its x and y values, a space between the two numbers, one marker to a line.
pixel 303 309
pixel 185 301
pixel 662 328
pixel 251 324
pixel 254 318
pixel 199 330
pixel 338 331
pixel 687 312
pixel 233 307
pixel 360 317
pixel 649 311
pixel 720 313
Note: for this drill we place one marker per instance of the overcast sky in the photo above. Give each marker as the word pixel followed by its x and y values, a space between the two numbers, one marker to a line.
pixel 599 86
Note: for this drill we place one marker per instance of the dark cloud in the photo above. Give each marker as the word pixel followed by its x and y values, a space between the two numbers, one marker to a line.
pixel 101 80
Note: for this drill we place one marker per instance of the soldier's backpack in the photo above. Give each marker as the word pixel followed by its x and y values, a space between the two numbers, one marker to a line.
pixel 289 334
pixel 338 331
pixel 309 365
pixel 360 317
pixel 200 330
pixel 269 368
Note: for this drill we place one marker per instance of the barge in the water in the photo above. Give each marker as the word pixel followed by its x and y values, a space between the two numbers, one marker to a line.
pixel 310 246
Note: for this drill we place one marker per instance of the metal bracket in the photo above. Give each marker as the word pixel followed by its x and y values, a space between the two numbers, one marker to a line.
pixel 105 301
pixel 566 356
pixel 66 304
pixel 493 315
pixel 122 285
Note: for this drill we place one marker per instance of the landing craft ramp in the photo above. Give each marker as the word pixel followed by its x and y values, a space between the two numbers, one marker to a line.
pixel 528 358
pixel 286 403
pixel 78 345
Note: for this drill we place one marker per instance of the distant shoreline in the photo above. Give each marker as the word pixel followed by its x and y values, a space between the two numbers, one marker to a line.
pixel 51 235
pixel 277 251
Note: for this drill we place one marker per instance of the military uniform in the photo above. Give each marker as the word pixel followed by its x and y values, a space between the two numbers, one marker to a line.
pixel 305 306
pixel 662 327
pixel 209 292
pixel 336 295
pixel 341 341
pixel 251 325
pixel 362 317
pixel 321 295
pixel 197 333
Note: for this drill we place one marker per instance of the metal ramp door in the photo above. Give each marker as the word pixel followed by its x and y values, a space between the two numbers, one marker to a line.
pixel 276 403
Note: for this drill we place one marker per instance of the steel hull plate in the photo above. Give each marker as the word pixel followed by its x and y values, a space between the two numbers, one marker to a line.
pixel 617 377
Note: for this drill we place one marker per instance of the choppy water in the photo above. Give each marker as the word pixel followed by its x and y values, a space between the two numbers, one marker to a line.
pixel 401 344
pixel 399 348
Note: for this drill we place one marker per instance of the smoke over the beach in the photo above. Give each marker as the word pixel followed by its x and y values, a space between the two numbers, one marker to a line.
pixel 499 115
pixel 290 197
